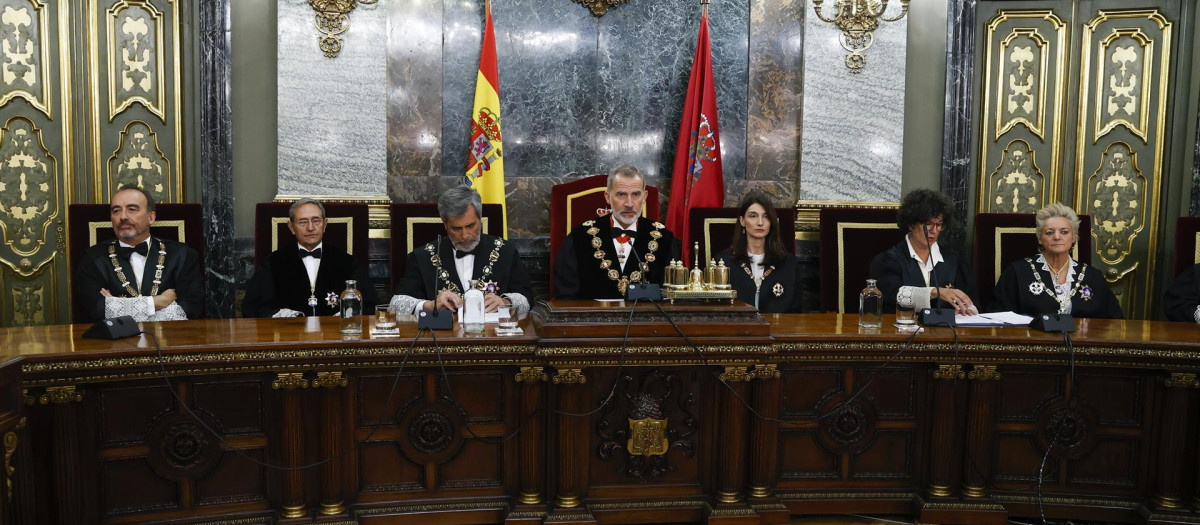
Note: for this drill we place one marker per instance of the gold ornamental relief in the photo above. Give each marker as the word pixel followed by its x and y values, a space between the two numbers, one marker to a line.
pixel 332 20
pixel 647 437
pixel 1022 71
pixel 24 55
pixel 135 58
pixel 1017 185
pixel 1114 197
pixel 138 161
pixel 1123 89
pixel 28 196
pixel 599 7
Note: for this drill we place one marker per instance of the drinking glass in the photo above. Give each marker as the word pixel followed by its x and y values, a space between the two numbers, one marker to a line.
pixel 385 319
pixel 905 317
pixel 507 317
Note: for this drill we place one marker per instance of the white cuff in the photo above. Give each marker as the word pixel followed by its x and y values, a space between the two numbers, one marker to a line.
pixel 519 302
pixel 149 303
pixel 287 312
pixel 405 303
pixel 1196 314
pixel 915 297
pixel 173 312
pixel 134 307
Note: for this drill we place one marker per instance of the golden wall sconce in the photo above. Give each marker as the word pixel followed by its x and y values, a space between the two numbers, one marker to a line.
pixel 332 19
pixel 858 19
pixel 599 7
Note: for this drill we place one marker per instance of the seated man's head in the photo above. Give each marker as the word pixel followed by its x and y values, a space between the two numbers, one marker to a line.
pixel 626 194
pixel 461 210
pixel 306 220
pixel 132 211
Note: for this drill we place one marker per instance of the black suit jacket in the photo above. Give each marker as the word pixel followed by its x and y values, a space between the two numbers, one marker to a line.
pixel 422 281
pixel 282 282
pixel 784 273
pixel 1183 296
pixel 1012 293
pixel 895 268
pixel 577 271
pixel 181 272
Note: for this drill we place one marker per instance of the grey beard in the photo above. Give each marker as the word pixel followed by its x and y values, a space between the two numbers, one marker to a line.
pixel 466 245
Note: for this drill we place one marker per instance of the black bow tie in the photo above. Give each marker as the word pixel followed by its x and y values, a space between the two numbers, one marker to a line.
pixel 459 254
pixel 617 232
pixel 315 254
pixel 125 251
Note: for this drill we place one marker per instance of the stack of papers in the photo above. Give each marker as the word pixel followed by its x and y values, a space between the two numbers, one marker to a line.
pixel 993 319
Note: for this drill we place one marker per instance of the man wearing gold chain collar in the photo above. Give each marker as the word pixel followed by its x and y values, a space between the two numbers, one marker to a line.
pixel 602 256
pixel 439 272
pixel 138 275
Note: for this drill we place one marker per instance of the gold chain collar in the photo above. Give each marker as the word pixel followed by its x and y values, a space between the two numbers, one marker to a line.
pixel 606 263
pixel 129 289
pixel 1050 290
pixel 481 281
pixel 757 280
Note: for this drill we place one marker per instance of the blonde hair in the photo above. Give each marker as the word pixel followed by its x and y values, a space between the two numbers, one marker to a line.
pixel 1057 209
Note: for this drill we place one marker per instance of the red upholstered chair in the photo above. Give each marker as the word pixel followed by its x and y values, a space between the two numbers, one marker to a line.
pixel 1187 243
pixel 346 226
pixel 1001 238
pixel 413 224
pixel 92 223
pixel 713 228
pixel 850 238
pixel 573 202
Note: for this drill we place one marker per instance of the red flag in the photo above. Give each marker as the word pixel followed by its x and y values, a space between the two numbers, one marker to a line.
pixel 696 181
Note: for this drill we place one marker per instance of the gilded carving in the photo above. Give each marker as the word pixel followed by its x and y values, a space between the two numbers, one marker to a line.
pixel 766 371
pixel 1123 87
pixel 569 376
pixel 135 57
pixel 648 435
pixel 139 162
pixel 949 372
pixel 736 373
pixel 60 394
pixel 332 20
pixel 289 381
pixel 1022 71
pixel 10 448
pixel 1115 194
pixel 1017 184
pixel 599 7
pixel 858 20
pixel 330 380
pixel 24 55
pixel 984 373
pixel 531 374
pixel 28 304
pixel 28 195
pixel 1182 380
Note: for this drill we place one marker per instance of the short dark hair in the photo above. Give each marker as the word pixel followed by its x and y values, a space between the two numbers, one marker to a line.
pixel 920 205
pixel 296 205
pixel 150 203
pixel 774 251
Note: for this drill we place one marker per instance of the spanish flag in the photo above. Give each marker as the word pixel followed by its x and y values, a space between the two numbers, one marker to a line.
pixel 485 164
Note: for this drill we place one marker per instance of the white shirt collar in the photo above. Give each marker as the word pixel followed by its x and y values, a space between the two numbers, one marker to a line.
pixel 318 246
pixel 935 254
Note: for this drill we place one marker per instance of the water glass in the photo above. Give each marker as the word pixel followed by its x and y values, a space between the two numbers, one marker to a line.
pixel 385 319
pixel 507 318
pixel 905 317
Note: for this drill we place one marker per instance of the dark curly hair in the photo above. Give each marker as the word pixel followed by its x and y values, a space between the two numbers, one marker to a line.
pixel 921 205
pixel 774 248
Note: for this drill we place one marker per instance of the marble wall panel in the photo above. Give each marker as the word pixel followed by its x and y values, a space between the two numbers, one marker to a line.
pixel 958 147
pixel 776 55
pixel 332 116
pixel 414 88
pixel 853 125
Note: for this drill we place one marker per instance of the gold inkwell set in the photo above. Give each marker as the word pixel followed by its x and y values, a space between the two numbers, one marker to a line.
pixel 709 284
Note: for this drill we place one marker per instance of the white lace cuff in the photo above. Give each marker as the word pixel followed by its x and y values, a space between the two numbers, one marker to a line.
pixel 519 302
pixel 915 297
pixel 139 308
pixel 405 305
pixel 173 312
pixel 1196 314
pixel 288 312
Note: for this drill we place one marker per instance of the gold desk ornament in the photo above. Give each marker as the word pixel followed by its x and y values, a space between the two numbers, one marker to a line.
pixel 647 437
pixel 711 284
pixel 332 20
pixel 858 19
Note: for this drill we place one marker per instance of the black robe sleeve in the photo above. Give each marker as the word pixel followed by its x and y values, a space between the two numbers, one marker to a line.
pixel 88 282
pixel 416 280
pixel 1006 297
pixel 189 284
pixel 792 265
pixel 1183 296
pixel 517 280
pixel 260 300
pixel 566 271
pixel 889 277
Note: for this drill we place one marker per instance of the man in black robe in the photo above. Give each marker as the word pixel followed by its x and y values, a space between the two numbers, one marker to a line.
pixel 147 278
pixel 1182 300
pixel 603 255
pixel 439 272
pixel 308 277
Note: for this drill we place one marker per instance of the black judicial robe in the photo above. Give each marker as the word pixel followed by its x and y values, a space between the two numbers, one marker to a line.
pixel 181 272
pixel 1013 294
pixel 895 268
pixel 1183 296
pixel 780 290
pixel 422 278
pixel 579 274
pixel 282 282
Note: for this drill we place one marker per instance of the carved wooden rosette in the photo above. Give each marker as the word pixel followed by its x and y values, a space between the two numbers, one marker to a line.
pixel 533 440
pixel 943 462
pixel 982 399
pixel 291 442
pixel 332 498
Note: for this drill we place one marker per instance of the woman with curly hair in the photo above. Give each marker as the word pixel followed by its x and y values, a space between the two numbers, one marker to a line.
pixel 1053 282
pixel 761 270
pixel 917 273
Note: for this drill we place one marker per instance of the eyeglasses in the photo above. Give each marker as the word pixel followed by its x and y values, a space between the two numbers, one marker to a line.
pixel 316 222
pixel 932 226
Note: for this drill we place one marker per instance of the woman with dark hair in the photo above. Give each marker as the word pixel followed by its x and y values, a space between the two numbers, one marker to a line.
pixel 917 273
pixel 761 270
pixel 1053 282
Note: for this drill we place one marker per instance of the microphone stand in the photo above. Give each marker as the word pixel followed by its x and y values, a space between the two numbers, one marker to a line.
pixel 934 315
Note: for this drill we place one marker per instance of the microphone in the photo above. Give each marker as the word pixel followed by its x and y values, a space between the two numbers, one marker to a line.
pixel 643 289
pixel 435 319
pixel 934 316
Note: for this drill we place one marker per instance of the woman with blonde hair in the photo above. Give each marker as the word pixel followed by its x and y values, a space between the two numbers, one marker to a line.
pixel 1053 282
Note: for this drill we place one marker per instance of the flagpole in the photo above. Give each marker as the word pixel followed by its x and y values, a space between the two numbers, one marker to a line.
pixel 704 8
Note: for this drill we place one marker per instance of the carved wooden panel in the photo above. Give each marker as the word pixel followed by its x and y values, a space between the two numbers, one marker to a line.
pixel 1023 101
pixel 35 163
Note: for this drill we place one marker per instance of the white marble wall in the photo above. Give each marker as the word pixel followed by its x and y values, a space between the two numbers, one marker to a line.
pixel 852 138
pixel 332 111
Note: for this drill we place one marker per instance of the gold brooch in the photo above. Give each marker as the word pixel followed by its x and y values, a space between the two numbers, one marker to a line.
pixel 605 264
pixel 649 257
pixel 612 274
pixel 597 243
pixel 599 254
pixel 635 276
pixel 653 245
pixel 778 289
pixel 593 231
pixel 655 234
pixel 589 222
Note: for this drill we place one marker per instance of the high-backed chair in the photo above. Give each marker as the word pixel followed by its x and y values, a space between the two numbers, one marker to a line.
pixel 573 202
pixel 92 223
pixel 1187 243
pixel 413 224
pixel 850 238
pixel 346 226
pixel 1001 238
pixel 713 228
